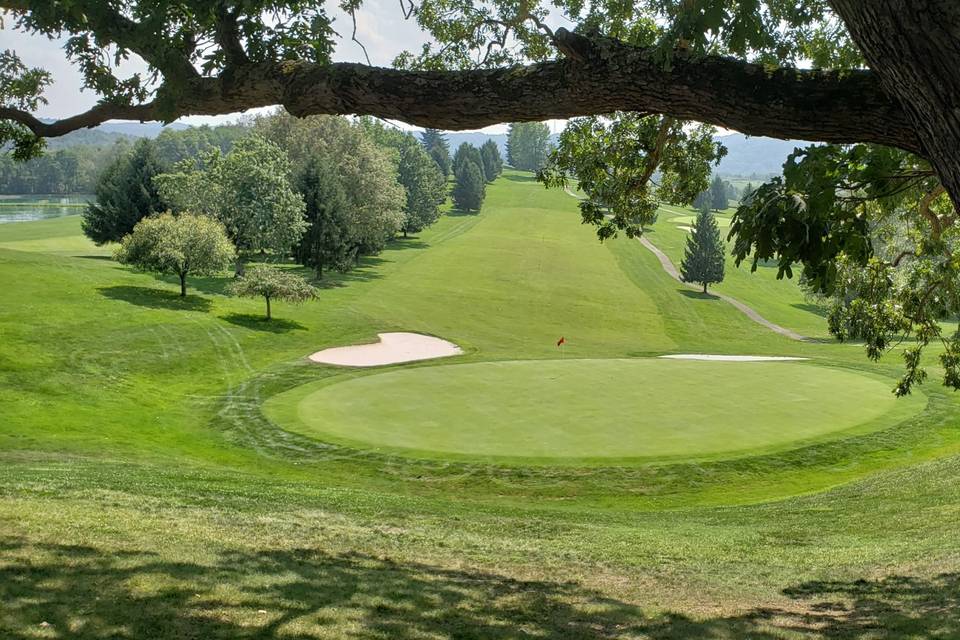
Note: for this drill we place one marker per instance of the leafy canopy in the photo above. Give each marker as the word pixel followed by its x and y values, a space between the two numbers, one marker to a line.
pixel 616 159
pixel 271 283
pixel 180 245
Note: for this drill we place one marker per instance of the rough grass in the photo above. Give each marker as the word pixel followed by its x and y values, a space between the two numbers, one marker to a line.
pixel 143 493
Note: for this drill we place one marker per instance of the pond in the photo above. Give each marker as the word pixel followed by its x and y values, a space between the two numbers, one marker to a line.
pixel 22 208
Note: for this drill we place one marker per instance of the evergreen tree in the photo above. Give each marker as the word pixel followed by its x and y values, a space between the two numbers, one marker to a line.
pixel 324 244
pixel 466 152
pixel 492 162
pixel 435 143
pixel 703 257
pixel 702 199
pixel 718 194
pixel 470 189
pixel 747 192
pixel 125 195
pixel 528 145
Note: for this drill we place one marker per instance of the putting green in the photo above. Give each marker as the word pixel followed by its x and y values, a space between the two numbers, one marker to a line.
pixel 591 410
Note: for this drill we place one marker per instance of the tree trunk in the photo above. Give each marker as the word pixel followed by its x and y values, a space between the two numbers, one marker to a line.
pixel 241 267
pixel 183 285
pixel 914 48
pixel 268 306
pixel 319 271
pixel 704 288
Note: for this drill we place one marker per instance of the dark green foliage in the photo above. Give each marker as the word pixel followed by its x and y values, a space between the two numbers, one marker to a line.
pixel 437 146
pixel 492 162
pixel 703 259
pixel 466 152
pixel 126 194
pixel 747 192
pixel 73 169
pixel 718 194
pixel 324 244
pixel 528 145
pixel 470 189
pixel 614 160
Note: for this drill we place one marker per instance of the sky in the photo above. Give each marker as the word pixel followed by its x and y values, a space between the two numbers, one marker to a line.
pixel 380 27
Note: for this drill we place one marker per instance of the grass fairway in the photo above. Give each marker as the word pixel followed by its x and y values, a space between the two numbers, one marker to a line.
pixel 151 488
pixel 591 411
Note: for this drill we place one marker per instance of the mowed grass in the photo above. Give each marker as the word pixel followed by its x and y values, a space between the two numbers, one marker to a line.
pixel 587 411
pixel 143 494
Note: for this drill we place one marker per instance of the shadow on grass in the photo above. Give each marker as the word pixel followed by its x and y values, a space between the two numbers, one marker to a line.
pixel 260 323
pixel 513 177
pixel 810 308
pixel 460 213
pixel 107 257
pixel 698 295
pixel 84 592
pixel 156 298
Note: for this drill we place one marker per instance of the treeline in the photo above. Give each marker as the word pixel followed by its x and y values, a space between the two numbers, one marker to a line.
pixel 324 190
pixel 78 168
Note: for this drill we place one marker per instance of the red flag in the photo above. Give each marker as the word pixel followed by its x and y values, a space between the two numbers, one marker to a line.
pixel 561 341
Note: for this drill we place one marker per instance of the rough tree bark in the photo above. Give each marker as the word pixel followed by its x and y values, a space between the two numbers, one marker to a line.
pixel 913 46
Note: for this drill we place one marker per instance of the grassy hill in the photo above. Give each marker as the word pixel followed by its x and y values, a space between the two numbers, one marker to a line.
pixel 144 492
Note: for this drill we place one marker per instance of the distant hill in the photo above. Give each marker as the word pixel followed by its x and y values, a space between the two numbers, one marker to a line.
pixel 111 132
pixel 747 156
pixel 751 156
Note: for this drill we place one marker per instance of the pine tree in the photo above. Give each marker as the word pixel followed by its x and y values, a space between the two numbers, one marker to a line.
pixel 703 259
pixel 492 162
pixel 324 244
pixel 470 189
pixel 718 193
pixel 435 143
pixel 747 192
pixel 466 152
pixel 125 195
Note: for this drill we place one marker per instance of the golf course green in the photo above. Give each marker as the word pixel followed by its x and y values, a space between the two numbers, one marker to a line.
pixel 178 467
pixel 586 410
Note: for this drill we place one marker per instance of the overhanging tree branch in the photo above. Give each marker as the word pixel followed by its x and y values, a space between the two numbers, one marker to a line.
pixel 606 76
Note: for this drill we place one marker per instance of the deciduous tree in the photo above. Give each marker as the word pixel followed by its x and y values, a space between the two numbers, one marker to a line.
pixel 271 283
pixel 615 159
pixel 248 190
pixel 183 245
pixel 528 145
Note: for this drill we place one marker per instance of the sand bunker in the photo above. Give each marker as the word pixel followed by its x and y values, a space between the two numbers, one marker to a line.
pixel 706 356
pixel 392 348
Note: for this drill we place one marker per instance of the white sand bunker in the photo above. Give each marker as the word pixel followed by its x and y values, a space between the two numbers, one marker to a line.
pixel 707 356
pixel 392 348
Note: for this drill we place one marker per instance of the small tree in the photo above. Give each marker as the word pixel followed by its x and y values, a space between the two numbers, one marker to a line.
pixel 703 258
pixel 747 192
pixel 492 162
pixel 271 283
pixel 466 152
pixel 470 189
pixel 125 195
pixel 182 245
pixel 718 193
